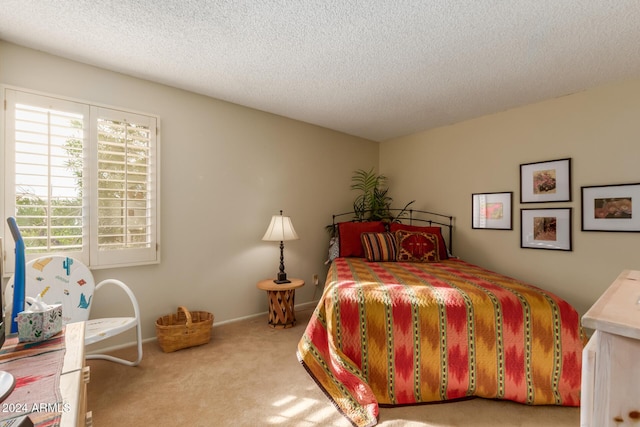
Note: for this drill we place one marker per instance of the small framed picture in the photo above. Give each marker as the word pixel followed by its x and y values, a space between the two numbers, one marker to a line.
pixel 492 211
pixel 610 208
pixel 546 229
pixel 548 181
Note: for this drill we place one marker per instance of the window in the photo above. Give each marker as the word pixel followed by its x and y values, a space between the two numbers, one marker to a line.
pixel 81 180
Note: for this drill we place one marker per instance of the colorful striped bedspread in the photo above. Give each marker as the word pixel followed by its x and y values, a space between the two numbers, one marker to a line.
pixel 402 333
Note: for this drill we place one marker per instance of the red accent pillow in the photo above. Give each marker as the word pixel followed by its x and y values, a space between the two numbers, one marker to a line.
pixel 442 246
pixel 414 246
pixel 349 235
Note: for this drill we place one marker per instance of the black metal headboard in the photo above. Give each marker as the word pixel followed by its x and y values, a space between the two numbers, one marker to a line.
pixel 407 216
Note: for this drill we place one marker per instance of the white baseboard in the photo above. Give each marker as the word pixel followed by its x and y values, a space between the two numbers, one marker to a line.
pixel 304 306
pixel 300 307
pixel 117 347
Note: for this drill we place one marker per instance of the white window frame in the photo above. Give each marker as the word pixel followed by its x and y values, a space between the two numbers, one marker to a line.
pixel 91 255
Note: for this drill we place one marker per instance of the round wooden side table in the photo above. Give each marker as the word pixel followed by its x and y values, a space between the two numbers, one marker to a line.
pixel 281 301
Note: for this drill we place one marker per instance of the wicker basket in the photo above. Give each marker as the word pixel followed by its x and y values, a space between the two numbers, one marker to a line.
pixel 183 329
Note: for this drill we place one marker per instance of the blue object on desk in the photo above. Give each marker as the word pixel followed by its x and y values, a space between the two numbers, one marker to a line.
pixel 18 278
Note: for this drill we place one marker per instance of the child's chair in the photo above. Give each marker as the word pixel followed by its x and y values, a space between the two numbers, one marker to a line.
pixel 67 281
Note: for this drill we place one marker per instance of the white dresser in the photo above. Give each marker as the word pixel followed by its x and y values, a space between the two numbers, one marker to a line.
pixel 611 359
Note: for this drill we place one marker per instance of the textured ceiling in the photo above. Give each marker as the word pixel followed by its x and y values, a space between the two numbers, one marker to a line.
pixel 372 68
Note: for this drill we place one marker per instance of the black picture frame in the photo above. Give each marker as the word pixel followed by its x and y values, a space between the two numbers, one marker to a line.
pixel 610 207
pixel 547 228
pixel 548 181
pixel 492 211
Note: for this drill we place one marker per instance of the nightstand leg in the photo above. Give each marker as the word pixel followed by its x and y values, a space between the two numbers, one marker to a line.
pixel 281 311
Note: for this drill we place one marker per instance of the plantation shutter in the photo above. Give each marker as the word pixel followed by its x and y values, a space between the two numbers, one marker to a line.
pixel 81 180
pixel 45 169
pixel 125 194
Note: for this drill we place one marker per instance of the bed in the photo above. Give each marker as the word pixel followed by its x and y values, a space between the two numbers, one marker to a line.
pixel 401 321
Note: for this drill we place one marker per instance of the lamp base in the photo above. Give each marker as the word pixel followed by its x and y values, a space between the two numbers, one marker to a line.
pixel 282 278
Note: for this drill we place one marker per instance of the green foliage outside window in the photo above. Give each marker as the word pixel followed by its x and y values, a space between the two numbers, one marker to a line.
pixel 57 222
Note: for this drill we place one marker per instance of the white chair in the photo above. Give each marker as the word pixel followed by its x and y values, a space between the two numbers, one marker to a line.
pixel 67 281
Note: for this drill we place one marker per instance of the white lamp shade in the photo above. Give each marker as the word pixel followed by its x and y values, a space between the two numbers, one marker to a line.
pixel 280 229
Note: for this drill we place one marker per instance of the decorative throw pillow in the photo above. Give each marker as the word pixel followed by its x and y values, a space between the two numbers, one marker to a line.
pixel 379 246
pixel 349 234
pixel 442 246
pixel 415 246
pixel 334 250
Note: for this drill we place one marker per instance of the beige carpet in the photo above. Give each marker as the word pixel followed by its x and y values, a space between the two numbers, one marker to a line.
pixel 248 375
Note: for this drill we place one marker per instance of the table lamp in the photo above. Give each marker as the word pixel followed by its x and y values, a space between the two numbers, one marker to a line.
pixel 279 230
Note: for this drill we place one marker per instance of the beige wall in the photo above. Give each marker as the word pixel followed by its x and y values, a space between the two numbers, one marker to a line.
pixel 225 170
pixel 599 129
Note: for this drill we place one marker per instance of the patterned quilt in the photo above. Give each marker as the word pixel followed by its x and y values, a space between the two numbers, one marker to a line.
pixel 394 333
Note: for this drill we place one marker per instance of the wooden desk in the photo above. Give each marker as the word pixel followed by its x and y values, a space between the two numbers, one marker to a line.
pixel 610 370
pixel 74 379
pixel 62 356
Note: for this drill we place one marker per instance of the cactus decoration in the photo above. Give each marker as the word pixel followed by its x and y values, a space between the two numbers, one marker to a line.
pixel 66 264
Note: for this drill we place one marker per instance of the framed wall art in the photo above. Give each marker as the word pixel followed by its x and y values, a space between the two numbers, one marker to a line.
pixel 546 229
pixel 610 208
pixel 548 181
pixel 492 211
